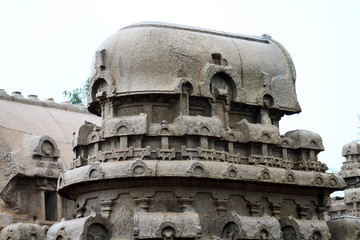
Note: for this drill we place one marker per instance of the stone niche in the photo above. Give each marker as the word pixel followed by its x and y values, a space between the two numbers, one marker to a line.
pixel 189 146
pixel 29 181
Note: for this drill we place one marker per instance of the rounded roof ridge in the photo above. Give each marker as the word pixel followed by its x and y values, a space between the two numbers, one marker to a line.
pixel 264 38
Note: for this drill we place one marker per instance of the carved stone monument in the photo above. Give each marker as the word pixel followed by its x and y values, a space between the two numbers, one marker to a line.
pixel 350 171
pixel 35 149
pixel 189 145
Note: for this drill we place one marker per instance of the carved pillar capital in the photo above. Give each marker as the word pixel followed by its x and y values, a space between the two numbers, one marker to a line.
pixel 142 203
pixel 304 212
pixel 185 202
pixel 221 207
pixel 254 209
pixel 106 208
pixel 276 208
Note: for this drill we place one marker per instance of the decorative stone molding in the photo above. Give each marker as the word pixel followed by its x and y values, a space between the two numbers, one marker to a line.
pixel 106 208
pixel 265 175
pixel 46 147
pixel 209 70
pixel 165 154
pixel 264 227
pixel 94 172
pixel 93 226
pixel 289 177
pixel 142 203
pixel 305 229
pixel 166 225
pixel 138 168
pixel 318 180
pixel 185 202
pixel 198 170
pixel 221 206
pixel 8 165
pixel 23 231
pixel 231 172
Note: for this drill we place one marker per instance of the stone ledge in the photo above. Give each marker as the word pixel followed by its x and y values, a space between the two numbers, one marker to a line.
pixel 198 169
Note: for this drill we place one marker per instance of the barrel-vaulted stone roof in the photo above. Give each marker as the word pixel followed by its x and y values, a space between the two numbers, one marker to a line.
pixel 150 58
pixel 22 118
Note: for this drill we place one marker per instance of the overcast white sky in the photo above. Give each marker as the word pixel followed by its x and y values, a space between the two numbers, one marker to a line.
pixel 47 47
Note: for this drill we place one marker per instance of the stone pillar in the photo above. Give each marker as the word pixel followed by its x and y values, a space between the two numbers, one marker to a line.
pixel 312 155
pixel 303 154
pixel 113 144
pixel 226 114
pixel 41 197
pixel 231 147
pixel 123 142
pixel 164 142
pixel 96 148
pixel 108 107
pixel 284 154
pixel 264 149
pixel 59 207
pixel 218 110
pixel 204 142
pixel 41 188
pixel 184 104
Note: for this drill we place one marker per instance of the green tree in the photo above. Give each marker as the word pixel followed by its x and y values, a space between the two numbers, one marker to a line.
pixel 78 95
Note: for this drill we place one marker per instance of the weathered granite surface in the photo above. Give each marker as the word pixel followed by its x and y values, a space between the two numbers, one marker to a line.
pixel 35 149
pixel 350 171
pixel 344 227
pixel 20 231
pixel 189 145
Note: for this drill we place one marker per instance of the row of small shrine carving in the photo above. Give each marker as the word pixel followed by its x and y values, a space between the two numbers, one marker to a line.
pixel 202 154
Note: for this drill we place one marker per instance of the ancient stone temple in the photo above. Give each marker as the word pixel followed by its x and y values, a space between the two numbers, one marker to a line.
pixel 189 145
pixel 350 171
pixel 35 149
pixel 344 212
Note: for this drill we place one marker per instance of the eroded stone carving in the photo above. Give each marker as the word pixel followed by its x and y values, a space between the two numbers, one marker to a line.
pixel 20 231
pixel 92 227
pixel 189 146
pixel 299 229
pixel 165 225
pixel 344 227
pixel 8 165
pixel 350 171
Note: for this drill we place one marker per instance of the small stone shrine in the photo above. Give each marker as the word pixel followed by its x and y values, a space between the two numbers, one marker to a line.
pixel 343 212
pixel 35 149
pixel 189 146
pixel 350 171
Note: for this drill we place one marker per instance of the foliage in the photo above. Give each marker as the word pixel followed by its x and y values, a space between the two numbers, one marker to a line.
pixel 78 95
